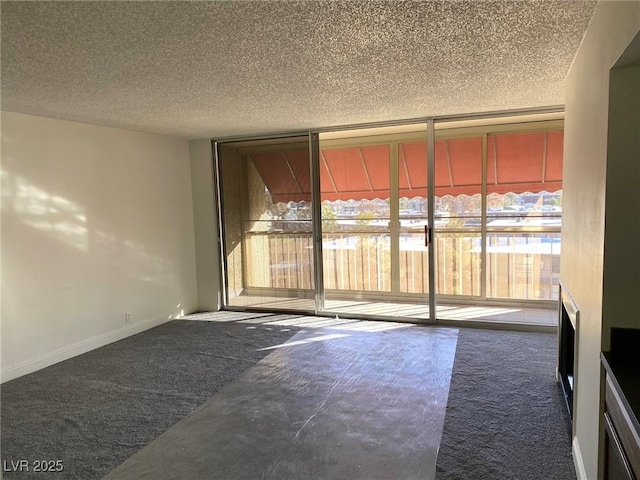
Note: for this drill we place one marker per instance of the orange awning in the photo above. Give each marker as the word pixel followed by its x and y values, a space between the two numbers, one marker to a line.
pixel 286 174
pixel 516 162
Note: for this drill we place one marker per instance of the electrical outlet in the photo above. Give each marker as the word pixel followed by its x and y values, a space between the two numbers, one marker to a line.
pixel 127 318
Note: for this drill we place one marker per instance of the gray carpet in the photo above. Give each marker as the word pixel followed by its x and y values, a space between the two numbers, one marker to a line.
pixel 505 416
pixel 504 420
pixel 96 410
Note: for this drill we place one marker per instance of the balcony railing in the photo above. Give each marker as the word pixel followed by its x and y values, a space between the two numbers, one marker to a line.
pixel 519 265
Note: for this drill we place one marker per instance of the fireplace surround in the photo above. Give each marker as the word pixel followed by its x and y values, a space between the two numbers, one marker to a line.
pixel 568 318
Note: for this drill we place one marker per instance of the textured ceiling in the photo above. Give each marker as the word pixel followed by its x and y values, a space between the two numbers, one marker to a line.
pixel 211 69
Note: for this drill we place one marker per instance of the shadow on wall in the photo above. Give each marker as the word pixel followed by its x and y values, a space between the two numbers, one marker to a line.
pixel 54 216
pixel 66 223
pixel 67 276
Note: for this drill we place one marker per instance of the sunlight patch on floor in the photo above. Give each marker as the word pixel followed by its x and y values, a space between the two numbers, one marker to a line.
pixel 268 319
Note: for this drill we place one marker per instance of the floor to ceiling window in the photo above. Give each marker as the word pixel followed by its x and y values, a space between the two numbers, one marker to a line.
pixel 458 214
pixel 266 218
pixel 524 207
pixel 496 209
pixel 372 239
pixel 499 192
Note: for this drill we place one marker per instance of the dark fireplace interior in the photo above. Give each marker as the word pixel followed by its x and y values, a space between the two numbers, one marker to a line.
pixel 566 345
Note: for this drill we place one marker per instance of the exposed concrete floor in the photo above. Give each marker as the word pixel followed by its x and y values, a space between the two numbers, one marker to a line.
pixel 330 403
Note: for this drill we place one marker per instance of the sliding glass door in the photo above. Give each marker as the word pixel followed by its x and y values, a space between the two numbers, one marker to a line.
pixel 524 212
pixel 373 188
pixel 498 207
pixel 458 222
pixel 265 194
pixel 386 222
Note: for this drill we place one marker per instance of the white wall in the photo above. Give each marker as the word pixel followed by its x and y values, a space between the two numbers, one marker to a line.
pixel 612 28
pixel 205 221
pixel 96 222
pixel 621 280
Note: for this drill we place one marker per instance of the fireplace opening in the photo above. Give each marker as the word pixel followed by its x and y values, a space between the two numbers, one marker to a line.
pixel 567 347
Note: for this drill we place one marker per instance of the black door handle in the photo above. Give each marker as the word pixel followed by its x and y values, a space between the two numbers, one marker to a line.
pixel 427 236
